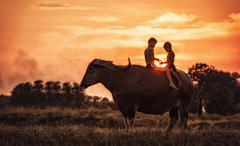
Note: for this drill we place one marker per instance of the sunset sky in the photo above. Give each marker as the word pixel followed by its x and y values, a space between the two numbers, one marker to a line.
pixel 55 40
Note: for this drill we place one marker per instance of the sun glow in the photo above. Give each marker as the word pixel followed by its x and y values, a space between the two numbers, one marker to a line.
pixel 158 63
pixel 55 40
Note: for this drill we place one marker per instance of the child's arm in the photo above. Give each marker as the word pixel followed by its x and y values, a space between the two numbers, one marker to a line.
pixel 170 58
pixel 153 58
pixel 161 62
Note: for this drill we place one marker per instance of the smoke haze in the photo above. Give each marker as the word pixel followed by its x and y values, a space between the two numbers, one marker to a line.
pixel 56 40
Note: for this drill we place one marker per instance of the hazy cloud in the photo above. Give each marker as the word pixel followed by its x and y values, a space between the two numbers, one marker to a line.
pixel 56 6
pixel 103 18
pixel 53 5
pixel 172 18
pixel 25 68
pixel 137 36
pixel 89 27
pixel 1 84
pixel 235 17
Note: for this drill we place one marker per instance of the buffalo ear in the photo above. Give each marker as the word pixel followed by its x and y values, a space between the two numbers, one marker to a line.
pixel 127 67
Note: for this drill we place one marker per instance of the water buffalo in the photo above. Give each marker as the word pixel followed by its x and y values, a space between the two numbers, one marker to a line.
pixel 137 88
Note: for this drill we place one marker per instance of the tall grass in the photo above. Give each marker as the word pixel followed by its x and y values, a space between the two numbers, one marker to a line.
pixel 53 126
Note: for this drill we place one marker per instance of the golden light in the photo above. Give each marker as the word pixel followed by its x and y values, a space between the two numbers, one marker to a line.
pixel 203 109
pixel 158 64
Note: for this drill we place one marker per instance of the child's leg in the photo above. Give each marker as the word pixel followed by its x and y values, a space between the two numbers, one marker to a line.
pixel 176 76
pixel 168 74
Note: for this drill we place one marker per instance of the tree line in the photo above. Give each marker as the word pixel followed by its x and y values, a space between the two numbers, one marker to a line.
pixel 50 94
pixel 220 90
pixel 54 94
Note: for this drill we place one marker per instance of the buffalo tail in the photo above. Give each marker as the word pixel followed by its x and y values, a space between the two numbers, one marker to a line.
pixel 200 103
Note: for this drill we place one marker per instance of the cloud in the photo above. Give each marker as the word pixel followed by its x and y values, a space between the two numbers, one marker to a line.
pixel 1 83
pixel 25 68
pixel 24 62
pixel 111 37
pixel 235 17
pixel 52 5
pixel 182 27
pixel 169 18
pixel 56 6
pixel 137 36
pixel 103 18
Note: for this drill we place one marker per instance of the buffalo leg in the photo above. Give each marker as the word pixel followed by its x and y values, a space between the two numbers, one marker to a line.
pixel 125 121
pixel 131 116
pixel 173 114
pixel 125 115
pixel 184 117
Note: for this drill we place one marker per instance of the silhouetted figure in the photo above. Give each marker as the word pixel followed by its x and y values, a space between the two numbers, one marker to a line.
pixel 149 53
pixel 170 66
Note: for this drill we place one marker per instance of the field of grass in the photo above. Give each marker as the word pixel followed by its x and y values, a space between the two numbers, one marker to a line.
pixel 54 126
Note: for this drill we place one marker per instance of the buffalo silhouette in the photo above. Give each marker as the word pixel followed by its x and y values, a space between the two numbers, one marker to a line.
pixel 137 88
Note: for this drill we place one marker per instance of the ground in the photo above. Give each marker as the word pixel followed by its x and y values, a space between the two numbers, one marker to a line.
pixel 54 126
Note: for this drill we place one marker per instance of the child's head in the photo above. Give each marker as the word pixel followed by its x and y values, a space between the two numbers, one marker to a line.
pixel 167 46
pixel 152 42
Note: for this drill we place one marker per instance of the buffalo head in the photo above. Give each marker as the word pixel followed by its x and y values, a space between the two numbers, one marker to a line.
pixel 96 69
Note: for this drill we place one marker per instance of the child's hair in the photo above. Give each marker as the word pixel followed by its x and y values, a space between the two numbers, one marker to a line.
pixel 152 40
pixel 167 45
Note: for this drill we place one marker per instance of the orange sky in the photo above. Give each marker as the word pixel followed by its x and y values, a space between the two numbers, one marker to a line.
pixel 55 40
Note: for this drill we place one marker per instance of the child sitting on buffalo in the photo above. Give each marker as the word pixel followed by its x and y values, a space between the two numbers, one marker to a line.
pixel 149 53
pixel 149 58
pixel 170 65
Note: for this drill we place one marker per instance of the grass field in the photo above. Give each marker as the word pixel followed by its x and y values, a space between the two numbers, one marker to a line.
pixel 54 126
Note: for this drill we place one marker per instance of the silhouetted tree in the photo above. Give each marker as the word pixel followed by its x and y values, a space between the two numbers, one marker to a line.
pixel 236 89
pixel 50 97
pixel 67 93
pixel 78 95
pixel 21 94
pixel 4 101
pixel 236 93
pixel 218 94
pixel 105 99
pixel 216 88
pixel 199 71
pixel 194 104
pixel 66 88
pixel 88 98
pixel 76 88
pixel 95 99
pixel 56 87
pixel 38 86
pixel 49 86
pixel 39 97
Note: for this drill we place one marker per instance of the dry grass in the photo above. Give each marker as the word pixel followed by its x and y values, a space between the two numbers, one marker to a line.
pixel 53 126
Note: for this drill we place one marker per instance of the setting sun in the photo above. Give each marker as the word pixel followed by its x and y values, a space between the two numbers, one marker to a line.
pixel 158 63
